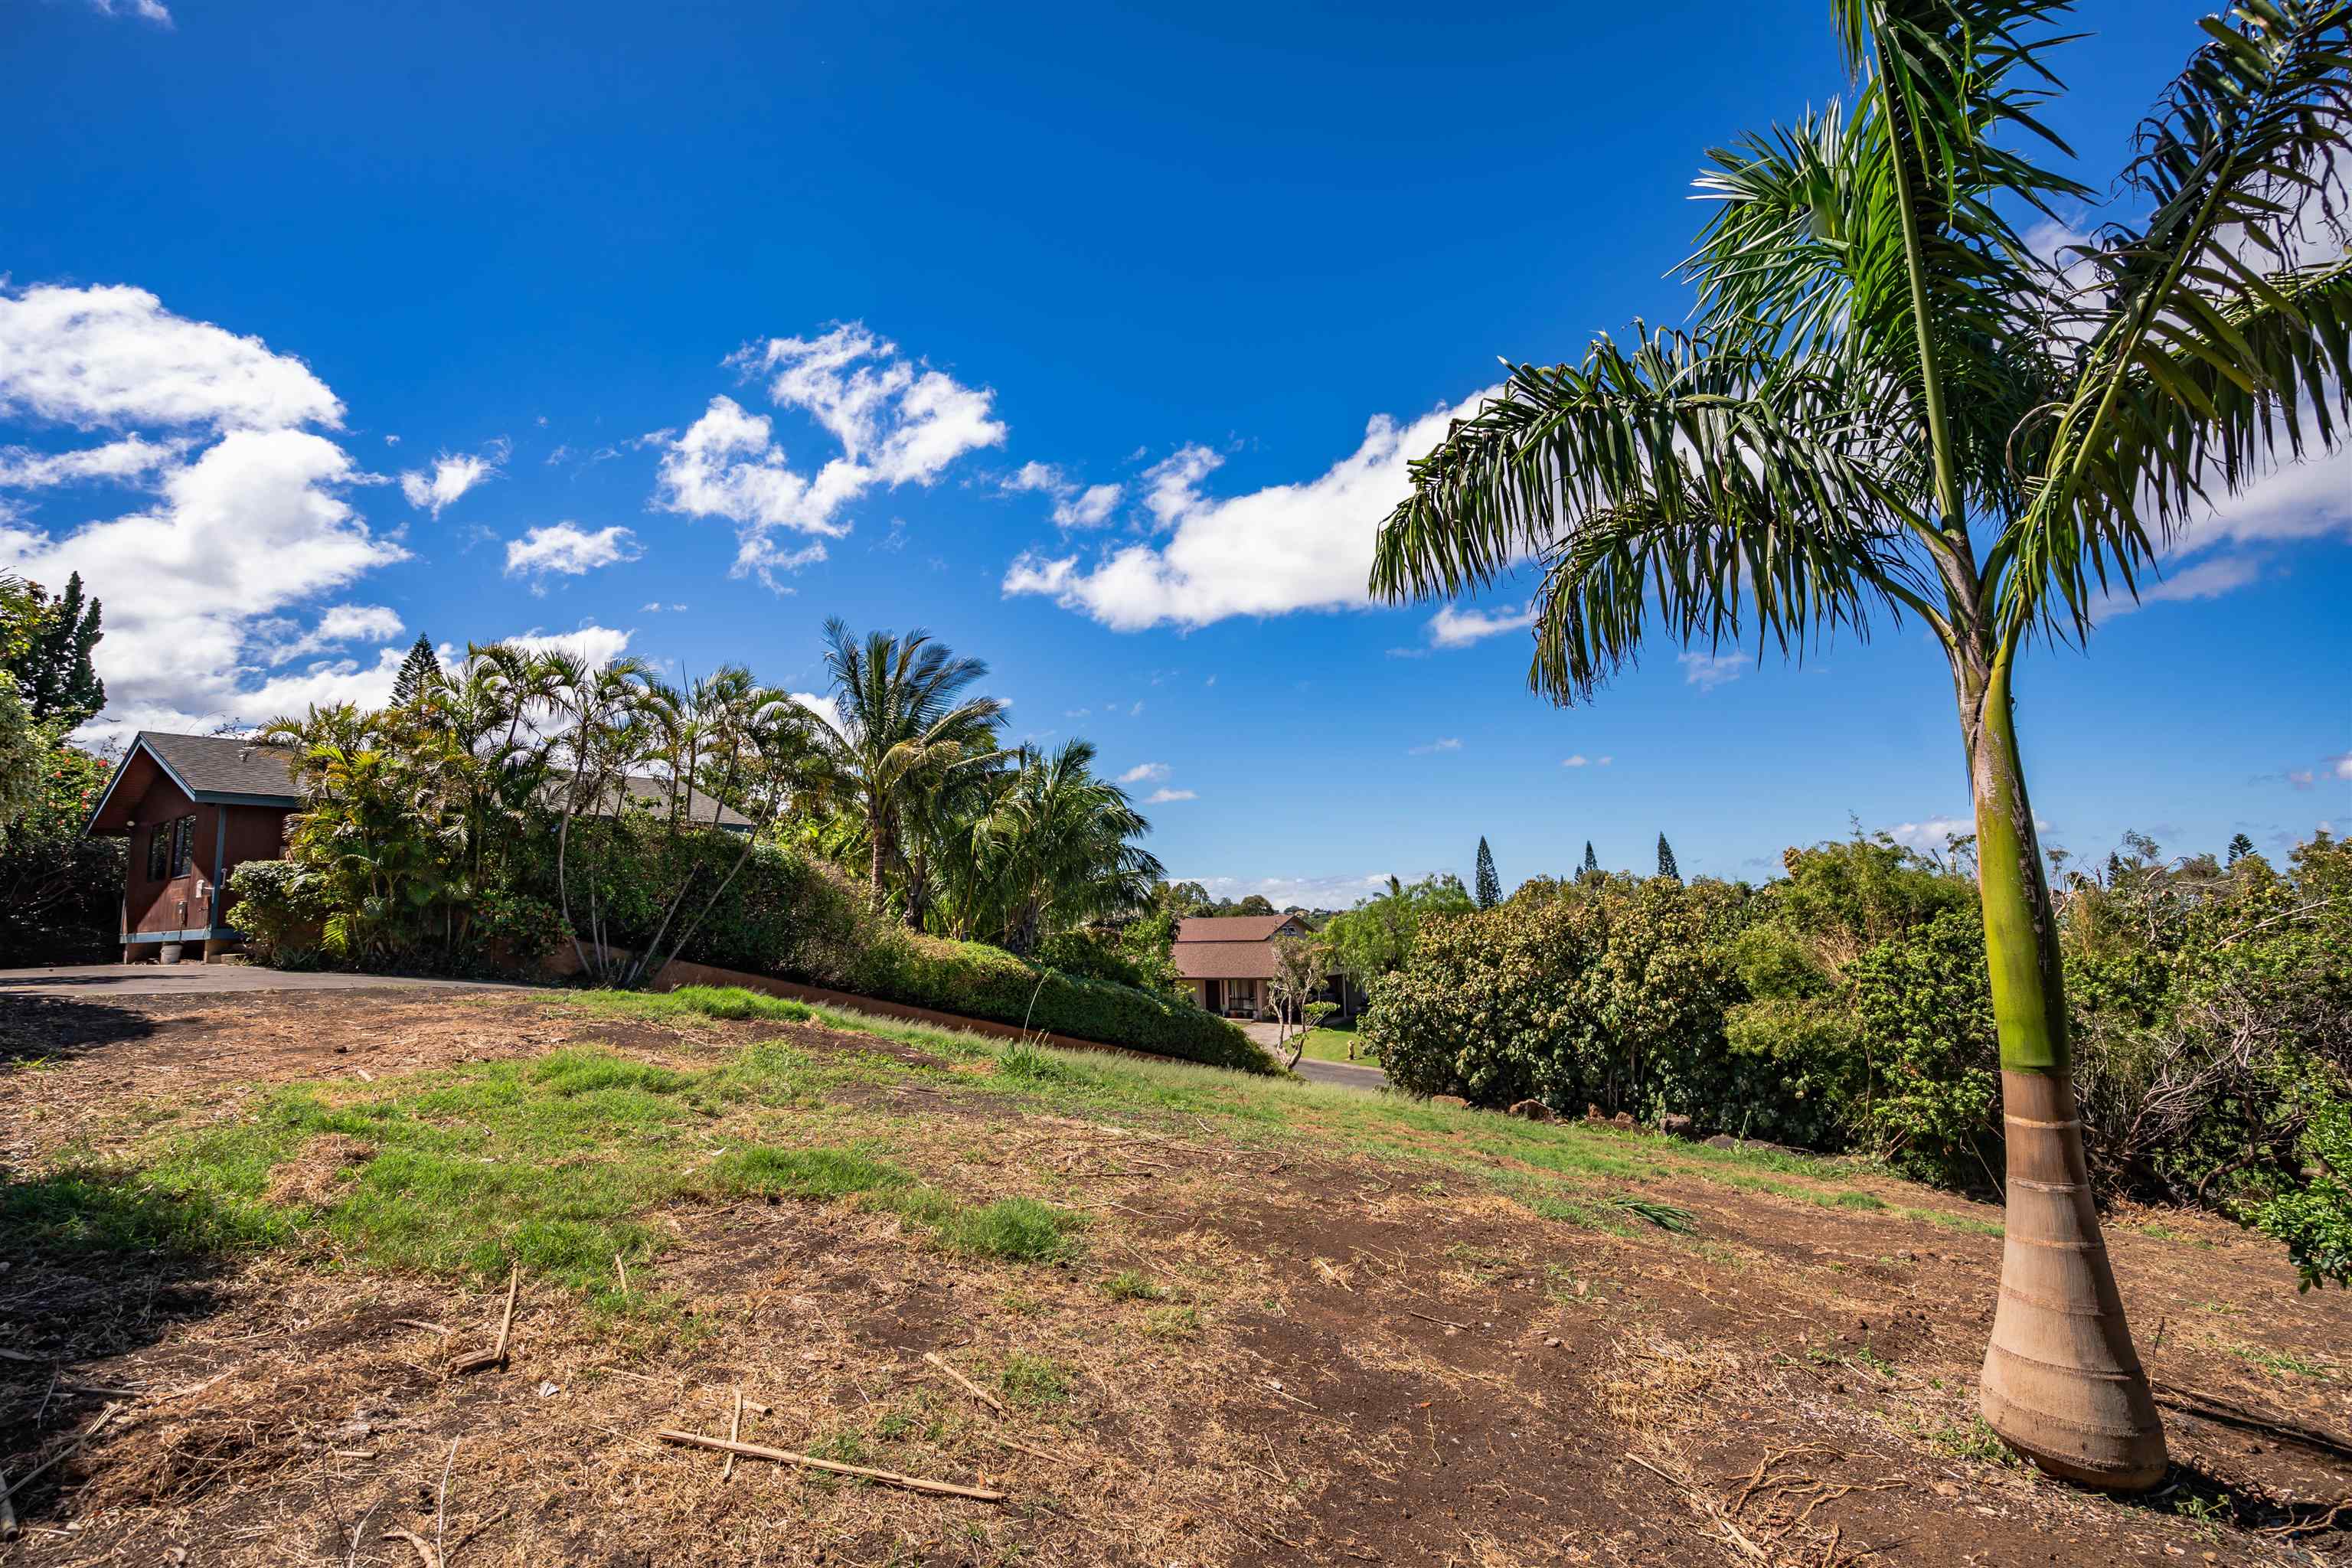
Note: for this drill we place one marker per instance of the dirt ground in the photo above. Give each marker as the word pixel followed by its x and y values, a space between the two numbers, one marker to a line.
pixel 1271 1350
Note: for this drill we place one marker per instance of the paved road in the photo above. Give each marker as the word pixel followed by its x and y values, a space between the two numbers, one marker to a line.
pixel 1346 1075
pixel 99 980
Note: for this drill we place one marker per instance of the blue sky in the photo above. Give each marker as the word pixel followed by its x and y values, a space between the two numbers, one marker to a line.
pixel 1090 338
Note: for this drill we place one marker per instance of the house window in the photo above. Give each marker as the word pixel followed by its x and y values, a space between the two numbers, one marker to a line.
pixel 171 848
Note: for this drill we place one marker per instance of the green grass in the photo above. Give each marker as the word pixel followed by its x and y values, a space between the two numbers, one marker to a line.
pixel 1332 1044
pixel 1033 1383
pixel 557 1164
pixel 553 1165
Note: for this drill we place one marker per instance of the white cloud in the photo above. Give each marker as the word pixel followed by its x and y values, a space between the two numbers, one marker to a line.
pixel 824 708
pixel 591 644
pixel 252 527
pixel 146 10
pixel 1708 670
pixel 1578 761
pixel 1143 773
pixel 337 625
pixel 112 355
pixel 569 549
pixel 2302 778
pixel 1931 833
pixel 897 422
pixel 1450 743
pixel 23 469
pixel 1074 506
pixel 2340 766
pixel 1286 547
pixel 207 583
pixel 1162 796
pixel 1451 627
pixel 1313 892
pixel 450 477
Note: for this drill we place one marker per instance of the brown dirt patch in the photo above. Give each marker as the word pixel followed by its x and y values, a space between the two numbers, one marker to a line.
pixel 1264 1356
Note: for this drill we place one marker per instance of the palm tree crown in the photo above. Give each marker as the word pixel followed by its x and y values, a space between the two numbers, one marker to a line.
pixel 1892 403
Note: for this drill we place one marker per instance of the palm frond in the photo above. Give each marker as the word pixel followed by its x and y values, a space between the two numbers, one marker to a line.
pixel 1729 491
pixel 2206 334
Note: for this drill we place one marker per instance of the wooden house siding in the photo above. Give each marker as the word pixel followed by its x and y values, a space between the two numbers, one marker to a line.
pixel 190 904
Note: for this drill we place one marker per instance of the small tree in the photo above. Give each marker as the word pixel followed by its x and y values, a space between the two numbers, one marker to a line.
pixel 1591 862
pixel 1667 866
pixel 418 671
pixel 1490 886
pixel 51 661
pixel 1299 965
pixel 2239 848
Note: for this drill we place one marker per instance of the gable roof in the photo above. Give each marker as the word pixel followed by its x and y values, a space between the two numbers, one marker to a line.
pixel 1228 947
pixel 647 794
pixel 1231 928
pixel 222 769
pixel 211 768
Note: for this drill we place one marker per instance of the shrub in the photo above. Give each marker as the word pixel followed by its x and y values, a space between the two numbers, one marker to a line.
pixel 982 982
pixel 61 889
pixel 1603 992
pixel 282 912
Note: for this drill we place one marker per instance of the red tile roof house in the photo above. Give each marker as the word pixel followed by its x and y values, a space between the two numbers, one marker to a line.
pixel 195 807
pixel 1228 960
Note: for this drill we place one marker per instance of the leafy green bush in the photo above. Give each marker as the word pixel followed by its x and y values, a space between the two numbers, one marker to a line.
pixel 982 982
pixel 281 911
pixel 1605 992
pixel 61 889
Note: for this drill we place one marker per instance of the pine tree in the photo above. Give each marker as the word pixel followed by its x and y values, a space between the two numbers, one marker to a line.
pixel 421 666
pixel 1592 863
pixel 1667 866
pixel 1490 886
pixel 54 672
pixel 2239 848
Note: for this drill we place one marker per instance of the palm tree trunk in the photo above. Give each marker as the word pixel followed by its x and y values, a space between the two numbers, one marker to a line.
pixel 2062 1384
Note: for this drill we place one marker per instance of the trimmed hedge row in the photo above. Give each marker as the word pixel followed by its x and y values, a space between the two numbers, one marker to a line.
pixel 985 982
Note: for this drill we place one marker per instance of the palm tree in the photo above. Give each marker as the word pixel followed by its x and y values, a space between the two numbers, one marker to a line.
pixel 1058 849
pixel 1890 404
pixel 903 719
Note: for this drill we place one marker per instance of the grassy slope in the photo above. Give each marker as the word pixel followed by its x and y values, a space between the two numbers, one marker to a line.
pixel 557 1164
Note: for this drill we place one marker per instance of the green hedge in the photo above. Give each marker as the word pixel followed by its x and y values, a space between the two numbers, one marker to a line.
pixel 983 982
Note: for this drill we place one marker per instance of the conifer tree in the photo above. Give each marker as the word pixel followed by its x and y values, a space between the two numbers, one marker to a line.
pixel 1667 866
pixel 1490 886
pixel 2239 848
pixel 419 667
pixel 53 672
pixel 1592 863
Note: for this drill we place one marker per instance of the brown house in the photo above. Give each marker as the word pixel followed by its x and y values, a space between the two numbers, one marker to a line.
pixel 1228 961
pixel 195 807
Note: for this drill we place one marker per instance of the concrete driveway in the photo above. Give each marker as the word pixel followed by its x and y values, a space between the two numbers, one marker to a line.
pixel 1346 1075
pixel 101 980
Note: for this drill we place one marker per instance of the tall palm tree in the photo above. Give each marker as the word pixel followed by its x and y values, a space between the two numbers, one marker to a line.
pixel 903 717
pixel 1892 405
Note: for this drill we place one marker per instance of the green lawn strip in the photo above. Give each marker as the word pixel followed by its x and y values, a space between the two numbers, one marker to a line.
pixel 1108 1086
pixel 552 1163
pixel 1331 1044
pixel 1065 1082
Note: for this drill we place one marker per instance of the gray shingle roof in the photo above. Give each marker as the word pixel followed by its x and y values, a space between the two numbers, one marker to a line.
pixel 223 764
